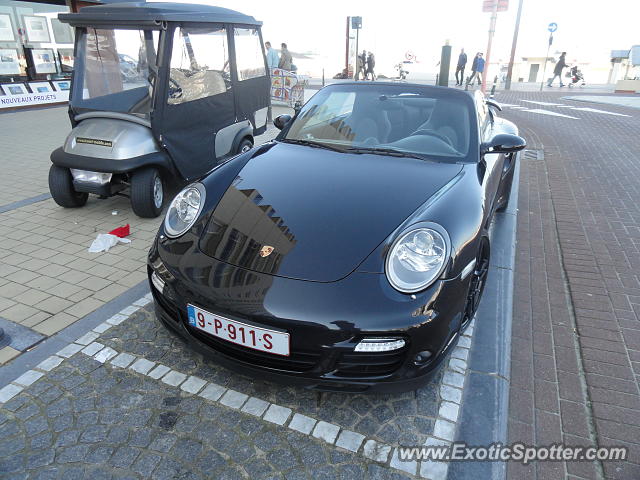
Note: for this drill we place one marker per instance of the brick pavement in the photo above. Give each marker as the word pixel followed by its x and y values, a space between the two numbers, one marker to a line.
pixel 576 335
pixel 48 280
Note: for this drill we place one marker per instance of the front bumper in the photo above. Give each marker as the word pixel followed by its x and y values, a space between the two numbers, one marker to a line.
pixel 325 321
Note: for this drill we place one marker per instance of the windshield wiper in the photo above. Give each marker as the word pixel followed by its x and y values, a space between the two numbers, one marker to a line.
pixel 385 151
pixel 309 143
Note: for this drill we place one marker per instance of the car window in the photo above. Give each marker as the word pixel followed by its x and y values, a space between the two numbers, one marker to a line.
pixel 199 64
pixel 386 118
pixel 249 57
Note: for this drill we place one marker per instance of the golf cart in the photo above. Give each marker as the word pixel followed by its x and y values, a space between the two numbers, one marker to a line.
pixel 161 93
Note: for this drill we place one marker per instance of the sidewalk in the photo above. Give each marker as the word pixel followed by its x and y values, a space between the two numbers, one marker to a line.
pixel 576 334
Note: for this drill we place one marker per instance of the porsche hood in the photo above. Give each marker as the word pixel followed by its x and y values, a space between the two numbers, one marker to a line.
pixel 314 214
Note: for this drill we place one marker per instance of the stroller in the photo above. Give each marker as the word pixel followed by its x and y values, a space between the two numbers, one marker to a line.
pixel 576 76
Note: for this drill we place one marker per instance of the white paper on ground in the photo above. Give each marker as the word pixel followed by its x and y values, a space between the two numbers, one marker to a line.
pixel 104 241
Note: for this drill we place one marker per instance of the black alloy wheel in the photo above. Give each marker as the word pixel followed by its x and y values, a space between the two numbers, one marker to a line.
pixel 477 283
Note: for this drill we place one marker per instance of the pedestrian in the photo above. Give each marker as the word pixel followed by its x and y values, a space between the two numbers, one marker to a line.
pixel 361 62
pixel 272 56
pixel 371 63
pixel 477 67
pixel 285 58
pixel 557 71
pixel 462 63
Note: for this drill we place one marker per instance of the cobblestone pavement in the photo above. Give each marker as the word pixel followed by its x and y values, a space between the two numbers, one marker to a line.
pixel 48 280
pixel 128 399
pixel 576 335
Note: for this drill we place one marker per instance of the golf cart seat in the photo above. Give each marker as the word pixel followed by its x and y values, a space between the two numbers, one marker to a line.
pixel 195 85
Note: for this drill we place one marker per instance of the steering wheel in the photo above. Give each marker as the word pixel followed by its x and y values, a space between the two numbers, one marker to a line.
pixel 175 90
pixel 433 133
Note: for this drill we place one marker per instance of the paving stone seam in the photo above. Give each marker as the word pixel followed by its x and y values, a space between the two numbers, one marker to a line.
pixel 445 426
pixel 573 324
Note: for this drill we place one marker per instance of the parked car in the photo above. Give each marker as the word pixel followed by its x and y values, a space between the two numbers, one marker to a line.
pixel 198 94
pixel 349 253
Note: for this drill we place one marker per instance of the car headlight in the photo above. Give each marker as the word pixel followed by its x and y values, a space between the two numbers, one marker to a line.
pixel 417 257
pixel 184 210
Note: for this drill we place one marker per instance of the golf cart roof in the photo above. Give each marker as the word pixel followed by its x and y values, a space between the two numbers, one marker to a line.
pixel 149 14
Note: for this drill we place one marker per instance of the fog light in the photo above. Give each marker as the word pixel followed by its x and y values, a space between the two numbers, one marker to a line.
pixel 422 357
pixel 157 282
pixel 91 177
pixel 379 345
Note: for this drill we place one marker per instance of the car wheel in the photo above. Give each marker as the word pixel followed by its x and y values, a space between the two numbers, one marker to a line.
pixel 477 283
pixel 61 188
pixel 147 192
pixel 245 145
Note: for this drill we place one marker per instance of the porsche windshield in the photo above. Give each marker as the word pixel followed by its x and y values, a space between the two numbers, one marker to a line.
pixel 387 119
pixel 114 70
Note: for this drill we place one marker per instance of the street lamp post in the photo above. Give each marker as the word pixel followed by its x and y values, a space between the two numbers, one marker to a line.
pixel 507 85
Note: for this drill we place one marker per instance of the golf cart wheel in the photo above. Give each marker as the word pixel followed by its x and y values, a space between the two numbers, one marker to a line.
pixel 147 192
pixel 61 188
pixel 245 145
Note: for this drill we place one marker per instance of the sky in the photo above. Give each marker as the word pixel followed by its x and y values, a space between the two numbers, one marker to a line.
pixel 587 29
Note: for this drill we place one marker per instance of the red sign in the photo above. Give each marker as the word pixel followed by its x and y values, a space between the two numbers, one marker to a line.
pixel 489 5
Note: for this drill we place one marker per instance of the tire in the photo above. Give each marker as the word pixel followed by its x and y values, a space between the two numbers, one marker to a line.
pixel 477 282
pixel 147 192
pixel 61 188
pixel 245 145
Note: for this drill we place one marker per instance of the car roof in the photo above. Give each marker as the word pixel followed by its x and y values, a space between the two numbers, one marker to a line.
pixel 149 13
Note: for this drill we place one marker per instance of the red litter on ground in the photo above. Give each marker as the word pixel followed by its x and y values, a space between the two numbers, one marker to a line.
pixel 121 232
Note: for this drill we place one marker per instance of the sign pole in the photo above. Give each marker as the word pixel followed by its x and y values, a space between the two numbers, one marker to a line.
pixel 346 61
pixel 552 28
pixel 507 85
pixel 492 29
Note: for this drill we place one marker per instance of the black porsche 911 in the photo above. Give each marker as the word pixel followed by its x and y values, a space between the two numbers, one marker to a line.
pixel 349 253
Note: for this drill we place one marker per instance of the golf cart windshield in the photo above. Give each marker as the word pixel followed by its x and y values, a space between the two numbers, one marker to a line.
pixel 114 70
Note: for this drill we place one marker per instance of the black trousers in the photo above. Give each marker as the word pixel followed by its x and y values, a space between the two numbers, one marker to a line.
pixel 459 70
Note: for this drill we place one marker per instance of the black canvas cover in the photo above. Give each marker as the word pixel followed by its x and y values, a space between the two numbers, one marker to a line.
pixel 252 95
pixel 189 132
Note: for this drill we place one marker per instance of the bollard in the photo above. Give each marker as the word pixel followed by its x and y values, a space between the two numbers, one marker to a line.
pixel 493 88
pixel 437 77
pixel 323 77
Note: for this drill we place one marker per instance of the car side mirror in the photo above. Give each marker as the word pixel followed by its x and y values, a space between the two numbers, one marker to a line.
pixel 281 121
pixel 503 143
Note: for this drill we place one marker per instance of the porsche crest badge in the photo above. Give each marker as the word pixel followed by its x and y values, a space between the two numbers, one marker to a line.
pixel 266 251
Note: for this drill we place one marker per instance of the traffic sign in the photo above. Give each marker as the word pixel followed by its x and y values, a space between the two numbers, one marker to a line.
pixel 553 26
pixel 356 23
pixel 489 5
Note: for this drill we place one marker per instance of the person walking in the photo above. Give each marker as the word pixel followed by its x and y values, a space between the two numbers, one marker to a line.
pixel 477 67
pixel 285 58
pixel 557 71
pixel 272 56
pixel 462 63
pixel 371 63
pixel 361 68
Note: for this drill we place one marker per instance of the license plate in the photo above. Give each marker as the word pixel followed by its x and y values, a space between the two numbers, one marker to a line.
pixel 239 333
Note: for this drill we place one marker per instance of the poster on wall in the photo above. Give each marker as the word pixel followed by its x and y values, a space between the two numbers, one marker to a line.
pixel 61 31
pixel 62 85
pixel 66 59
pixel 9 63
pixel 40 87
pixel 37 29
pixel 6 29
pixel 14 89
pixel 44 60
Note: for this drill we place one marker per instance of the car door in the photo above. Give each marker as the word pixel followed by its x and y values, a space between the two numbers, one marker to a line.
pixel 491 163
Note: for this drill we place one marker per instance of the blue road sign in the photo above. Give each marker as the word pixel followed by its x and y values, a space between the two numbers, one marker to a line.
pixel 553 26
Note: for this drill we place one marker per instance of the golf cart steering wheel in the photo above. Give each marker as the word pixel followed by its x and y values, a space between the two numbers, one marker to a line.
pixel 432 133
pixel 175 90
